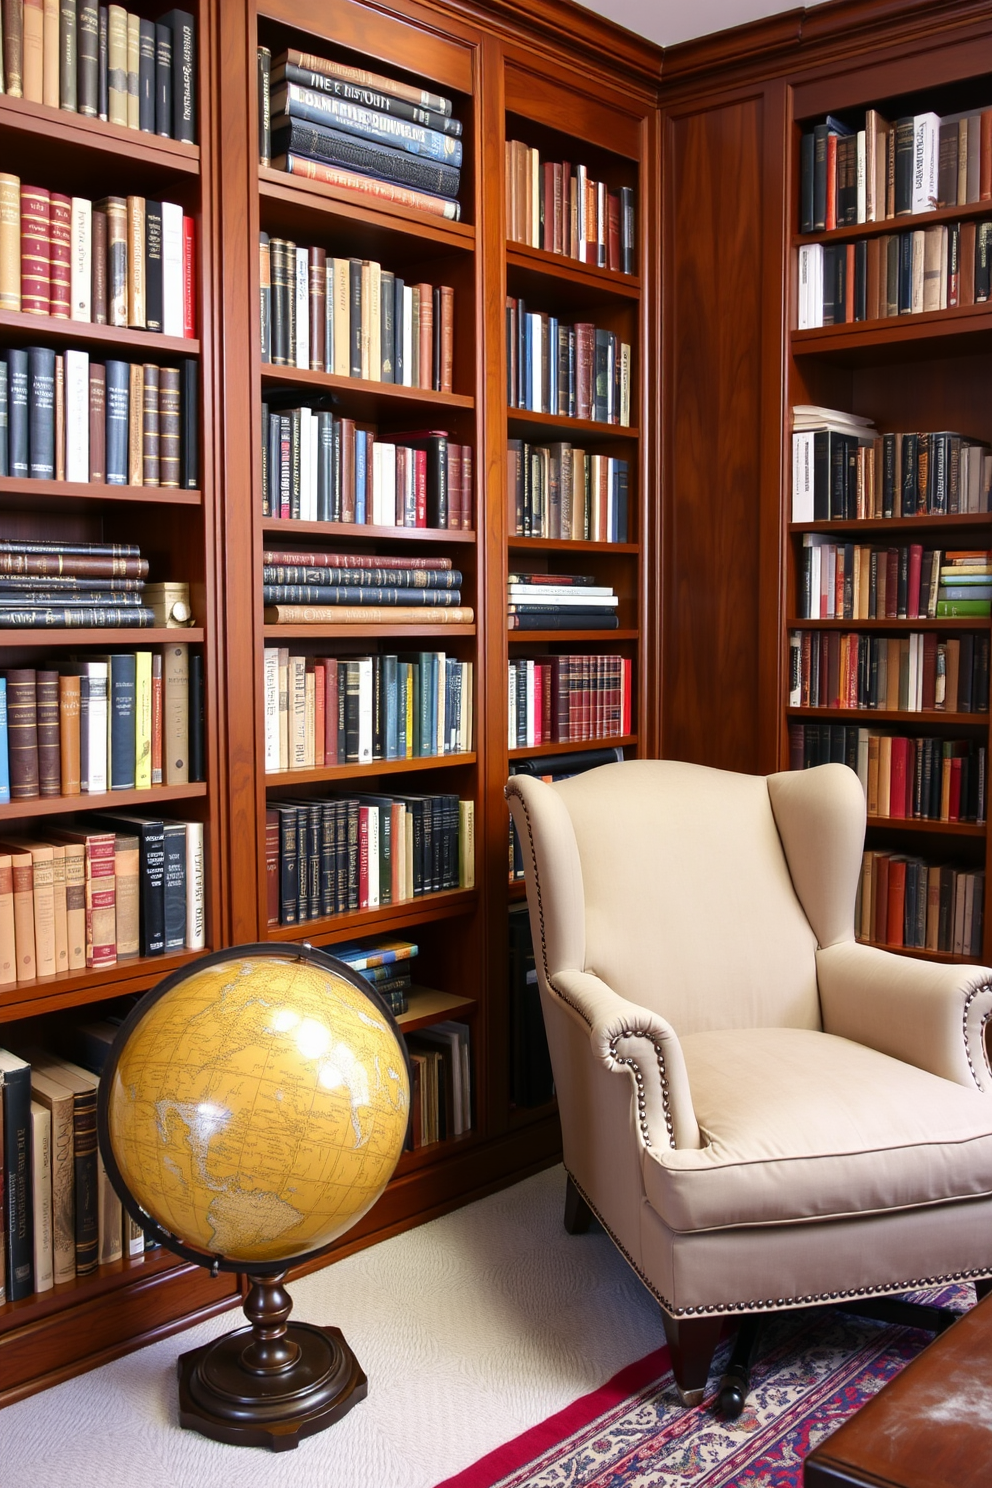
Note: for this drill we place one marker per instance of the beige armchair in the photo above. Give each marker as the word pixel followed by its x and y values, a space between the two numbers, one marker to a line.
pixel 761 1112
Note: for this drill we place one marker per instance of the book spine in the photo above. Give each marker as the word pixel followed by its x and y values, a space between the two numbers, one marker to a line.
pixel 360 78
pixel 13 47
pixel 317 107
pixel 183 74
pixel 102 46
pixel 163 80
pixel 337 147
pixel 195 887
pixel 264 66
pixel 175 886
pixel 35 251
pixel 331 175
pixel 18 1220
pixel 41 413
pixel 86 1172
pixel 88 59
pixel 146 77
pixel 175 714
pixel 10 242
pixel 48 733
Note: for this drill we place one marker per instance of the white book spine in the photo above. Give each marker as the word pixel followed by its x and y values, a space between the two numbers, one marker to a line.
pixel 375 321
pixel 511 708
pixel 297 712
pixel 529 702
pixel 388 517
pixel 407 336
pixel 468 703
pixel 624 385
pixel 41 1194
pixel 373 874
pixel 81 272
pixel 314 464
pixel 283 705
pixel 802 311
pixel 172 269
pixel 329 316
pixel 270 672
pixel 861 175
pixel 374 506
pixel 96 728
pixel 310 728
pixel 342 318
pixel 365 710
pixel 442 688
pixel 302 308
pixel 306 416
pixel 77 415
pixel 195 887
pixel 926 142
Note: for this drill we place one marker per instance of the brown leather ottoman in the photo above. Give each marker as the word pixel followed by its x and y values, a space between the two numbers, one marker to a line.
pixel 931 1427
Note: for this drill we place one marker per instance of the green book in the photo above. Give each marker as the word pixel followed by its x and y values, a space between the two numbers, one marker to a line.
pixel 950 607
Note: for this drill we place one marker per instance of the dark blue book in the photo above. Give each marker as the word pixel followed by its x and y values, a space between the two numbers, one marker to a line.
pixel 174 848
pixel 146 77
pixel 189 420
pixel 118 396
pixel 41 412
pixel 384 103
pixel 15 1075
pixel 288 865
pixel 399 360
pixel 121 704
pixel 183 29
pixel 368 157
pixel 293 101
pixel 602 367
pixel 621 502
pixel 153 263
pixel 387 339
pixel 163 80
pixel 4 421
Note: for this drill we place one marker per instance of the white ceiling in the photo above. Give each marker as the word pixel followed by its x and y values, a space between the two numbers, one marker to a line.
pixel 669 21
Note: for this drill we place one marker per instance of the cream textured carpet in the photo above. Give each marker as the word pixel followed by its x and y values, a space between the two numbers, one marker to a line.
pixel 471 1329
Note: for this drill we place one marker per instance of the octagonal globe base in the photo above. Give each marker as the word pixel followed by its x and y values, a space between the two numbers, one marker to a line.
pixel 220 1397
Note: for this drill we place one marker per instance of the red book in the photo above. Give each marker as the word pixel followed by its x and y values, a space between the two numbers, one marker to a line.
pixel 420 485
pixel 896 900
pixel 60 268
pixel 897 778
pixel 915 566
pixel 363 857
pixel 466 488
pixel 585 346
pixel 272 867
pixel 189 278
pixel 831 218
pixel 548 243
pixel 35 250
pixel 627 713
pixel 546 724
pixel 330 665
pixel 985 158
pixel 536 706
pixel 319 733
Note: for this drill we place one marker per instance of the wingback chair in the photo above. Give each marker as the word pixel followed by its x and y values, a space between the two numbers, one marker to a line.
pixel 760 1111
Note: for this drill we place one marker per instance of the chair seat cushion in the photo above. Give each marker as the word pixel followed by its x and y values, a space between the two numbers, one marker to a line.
pixel 800 1125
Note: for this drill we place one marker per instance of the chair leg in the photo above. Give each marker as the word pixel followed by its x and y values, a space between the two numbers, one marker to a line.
pixel 692 1343
pixel 982 1288
pixel 578 1215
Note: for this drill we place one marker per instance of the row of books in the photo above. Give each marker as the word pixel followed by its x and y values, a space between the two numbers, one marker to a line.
pixel 848 581
pixel 842 469
pixel 550 768
pixel 904 777
pixel 338 854
pixel 386 963
pixel 36 588
pixel 557 206
pixel 346 120
pixel 916 673
pixel 566 698
pixel 558 491
pixel 906 273
pixel 89 894
pixel 317 467
pixel 66 417
pixel 122 261
pixel 323 711
pixel 542 601
pixel 904 901
pixel 895 168
pixel 104 62
pixel 576 371
pixel 129 721
pixel 352 317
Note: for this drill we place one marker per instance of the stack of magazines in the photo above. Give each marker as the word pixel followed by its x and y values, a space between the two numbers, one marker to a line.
pixel 347 127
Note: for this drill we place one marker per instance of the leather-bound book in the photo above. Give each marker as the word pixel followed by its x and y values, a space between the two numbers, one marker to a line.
pixel 133 70
pixel 50 53
pixel 58 1100
pixel 88 52
pixel 13 49
pixel 447 337
pixel 127 890
pixel 146 77
pixel 117 64
pixel 189 457
pixel 136 415
pixel 169 426
pixel 426 334
pixel 69 735
pixel 22 733
pixel 98 266
pixel 150 428
pixel 163 80
pixel 117 378
pixel 115 210
pixel 98 422
pixel 10 242
pixel 41 413
pixel 175 714
pixel 8 950
pixel 35 250
pixel 153 266
pixel 136 279
pixel 49 747
pixel 68 56
pixel 85 1156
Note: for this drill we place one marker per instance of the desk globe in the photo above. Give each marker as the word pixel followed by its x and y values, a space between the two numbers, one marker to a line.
pixel 253 1107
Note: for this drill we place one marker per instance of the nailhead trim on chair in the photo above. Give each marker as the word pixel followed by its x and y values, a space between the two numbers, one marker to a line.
pixel 776 1304
pixel 639 1082
pixel 969 999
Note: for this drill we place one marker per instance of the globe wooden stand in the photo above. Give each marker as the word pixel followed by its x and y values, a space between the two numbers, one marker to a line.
pixel 273 1383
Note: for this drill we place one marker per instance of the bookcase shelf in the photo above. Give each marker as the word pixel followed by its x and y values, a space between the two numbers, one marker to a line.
pixel 570 270
pixel 316 200
pixel 929 523
pixel 569 545
pixel 571 637
pixel 364 632
pixel 911 222
pixel 881 715
pixel 961 331
pixel 922 824
pixel 428 1006
pixel 20 329
pixel 369 400
pixel 409 912
pixel 950 622
pixel 58 135
pixel 363 532
pixel 87 496
pixel 556 426
pixel 370 771
pixel 89 636
pixel 102 801
pixel 572 746
pixel 95 984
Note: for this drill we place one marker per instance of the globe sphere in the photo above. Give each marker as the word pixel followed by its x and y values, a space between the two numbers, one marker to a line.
pixel 257 1107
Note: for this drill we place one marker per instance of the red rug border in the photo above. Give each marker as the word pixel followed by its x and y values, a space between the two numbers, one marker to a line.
pixel 515 1454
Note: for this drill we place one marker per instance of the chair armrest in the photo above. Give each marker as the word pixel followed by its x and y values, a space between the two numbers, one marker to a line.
pixel 627 1037
pixel 922 1012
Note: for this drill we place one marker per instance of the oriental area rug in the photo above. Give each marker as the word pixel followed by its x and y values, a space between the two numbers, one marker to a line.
pixel 814 1369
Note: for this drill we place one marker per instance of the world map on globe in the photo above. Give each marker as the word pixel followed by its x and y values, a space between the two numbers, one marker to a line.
pixel 258 1107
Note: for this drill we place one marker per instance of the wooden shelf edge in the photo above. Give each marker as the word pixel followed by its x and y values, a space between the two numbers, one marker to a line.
pixel 569 545
pixel 569 637
pixel 376 767
pixel 593 428
pixel 98 134
pixel 75 988
pixel 95 491
pixel 365 386
pixel 949 622
pixel 42 328
pixel 947 957
pixel 363 632
pixel 960 321
pixel 909 222
pixel 95 636
pixel 70 1293
pixel 562 266
pixel 927 824
pixel 421 910
pixel 428 1006
pixel 102 801
pixel 571 746
pixel 890 715
pixel 275 185
pixel 933 520
pixel 366 530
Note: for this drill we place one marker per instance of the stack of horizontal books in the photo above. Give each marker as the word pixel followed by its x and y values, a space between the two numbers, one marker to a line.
pixel 386 963
pixel 345 126
pixel 361 589
pixel 540 601
pixel 965 583
pixel 68 585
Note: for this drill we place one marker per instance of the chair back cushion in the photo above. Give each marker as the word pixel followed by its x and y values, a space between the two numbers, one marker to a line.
pixel 690 909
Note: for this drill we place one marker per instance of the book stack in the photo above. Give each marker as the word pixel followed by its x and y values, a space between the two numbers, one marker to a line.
pixel 965 583
pixel 558 491
pixel 560 698
pixel 122 261
pixel 352 317
pixel 360 589
pixel 929 779
pixel 904 901
pixel 386 962
pixel 106 889
pixel 103 62
pixel 895 168
pixel 336 855
pixel 552 767
pixel 324 711
pixel 556 205
pixel 317 467
pixel 539 601
pixel 853 581
pixel 843 469
pixel 573 370
pixel 72 585
pixel 129 721
pixel 912 673
pixel 344 126
pixel 65 417
pixel 441 1091
pixel 905 273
